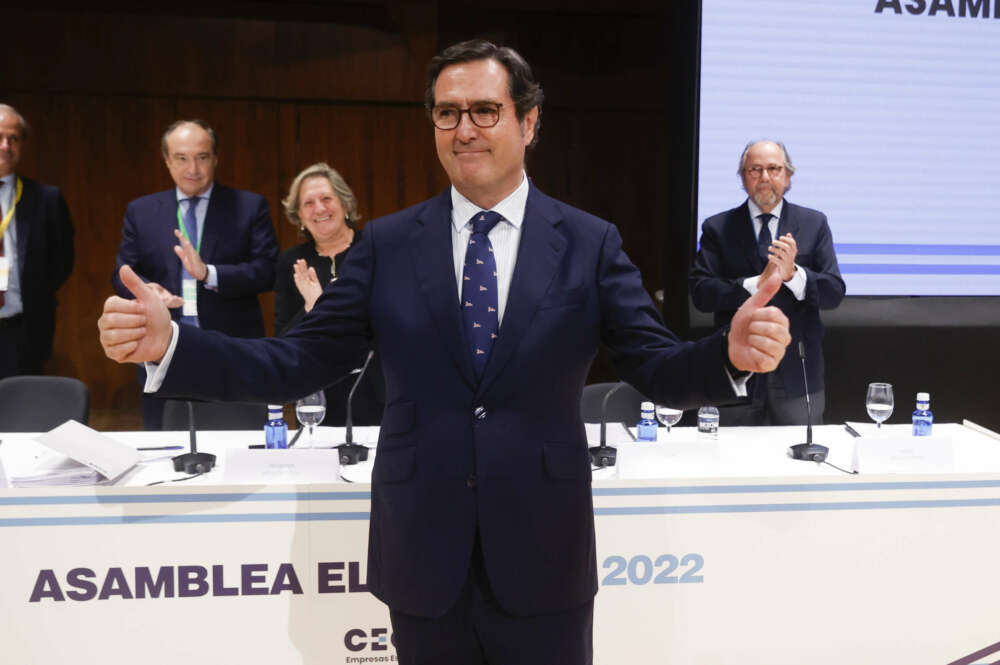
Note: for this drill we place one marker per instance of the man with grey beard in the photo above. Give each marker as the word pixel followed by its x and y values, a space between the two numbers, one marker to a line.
pixel 764 235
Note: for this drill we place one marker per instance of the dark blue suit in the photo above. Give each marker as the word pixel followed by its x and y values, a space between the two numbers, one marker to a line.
pixel 728 255
pixel 507 455
pixel 237 238
pixel 45 260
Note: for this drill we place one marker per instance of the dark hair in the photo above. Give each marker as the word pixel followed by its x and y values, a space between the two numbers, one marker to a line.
pixel 177 123
pixel 521 84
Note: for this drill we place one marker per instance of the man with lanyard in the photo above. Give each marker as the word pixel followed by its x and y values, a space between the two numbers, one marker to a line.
pixel 206 250
pixel 36 256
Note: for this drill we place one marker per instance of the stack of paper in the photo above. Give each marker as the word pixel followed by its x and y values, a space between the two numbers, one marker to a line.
pixel 52 469
pixel 73 454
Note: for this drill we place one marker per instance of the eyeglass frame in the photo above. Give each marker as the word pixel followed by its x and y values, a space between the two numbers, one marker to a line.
pixel 755 172
pixel 467 111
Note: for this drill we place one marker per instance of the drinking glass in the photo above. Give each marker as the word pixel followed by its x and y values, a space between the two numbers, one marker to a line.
pixel 310 411
pixel 668 416
pixel 879 402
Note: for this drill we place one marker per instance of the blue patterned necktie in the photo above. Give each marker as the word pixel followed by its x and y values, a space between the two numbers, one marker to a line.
pixel 764 238
pixel 479 291
pixel 191 226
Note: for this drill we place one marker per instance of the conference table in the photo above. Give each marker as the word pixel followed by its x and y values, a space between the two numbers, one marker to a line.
pixel 719 551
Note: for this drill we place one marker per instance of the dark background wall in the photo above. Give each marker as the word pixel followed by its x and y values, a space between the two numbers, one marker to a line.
pixel 289 84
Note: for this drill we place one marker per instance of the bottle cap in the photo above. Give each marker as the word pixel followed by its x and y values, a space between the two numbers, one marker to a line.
pixel 271 408
pixel 645 406
pixel 923 397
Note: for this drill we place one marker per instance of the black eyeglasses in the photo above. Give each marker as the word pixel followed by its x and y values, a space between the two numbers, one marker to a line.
pixel 482 114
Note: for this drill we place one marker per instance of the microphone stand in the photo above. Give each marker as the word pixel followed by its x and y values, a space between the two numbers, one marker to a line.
pixel 350 452
pixel 808 451
pixel 193 461
pixel 605 455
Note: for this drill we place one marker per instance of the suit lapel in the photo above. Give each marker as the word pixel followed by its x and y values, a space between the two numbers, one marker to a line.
pixel 166 222
pixel 788 222
pixel 434 265
pixel 220 208
pixel 747 239
pixel 538 258
pixel 24 216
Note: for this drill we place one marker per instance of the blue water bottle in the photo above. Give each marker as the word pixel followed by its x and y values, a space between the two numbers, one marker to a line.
pixel 923 418
pixel 647 423
pixel 275 431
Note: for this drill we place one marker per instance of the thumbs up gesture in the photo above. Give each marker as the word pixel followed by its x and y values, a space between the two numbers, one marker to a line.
pixel 758 334
pixel 135 330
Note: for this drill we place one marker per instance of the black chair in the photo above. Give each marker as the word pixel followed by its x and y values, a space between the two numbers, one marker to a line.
pixel 214 415
pixel 39 403
pixel 623 407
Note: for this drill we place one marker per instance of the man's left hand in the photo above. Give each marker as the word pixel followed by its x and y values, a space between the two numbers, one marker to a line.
pixel 758 334
pixel 781 254
pixel 190 258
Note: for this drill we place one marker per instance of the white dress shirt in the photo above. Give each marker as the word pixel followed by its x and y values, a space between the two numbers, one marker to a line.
pixel 797 284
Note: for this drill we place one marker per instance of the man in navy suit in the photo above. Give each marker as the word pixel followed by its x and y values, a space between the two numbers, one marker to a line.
pixel 742 247
pixel 207 250
pixel 487 304
pixel 36 256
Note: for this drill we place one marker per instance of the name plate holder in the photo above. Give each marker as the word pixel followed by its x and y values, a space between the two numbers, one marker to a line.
pixel 903 454
pixel 282 466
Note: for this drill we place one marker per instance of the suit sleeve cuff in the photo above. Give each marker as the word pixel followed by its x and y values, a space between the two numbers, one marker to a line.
pixel 797 284
pixel 156 372
pixel 212 278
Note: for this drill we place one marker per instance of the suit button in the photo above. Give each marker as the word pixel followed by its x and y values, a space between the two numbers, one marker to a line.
pixel 480 413
pixel 470 482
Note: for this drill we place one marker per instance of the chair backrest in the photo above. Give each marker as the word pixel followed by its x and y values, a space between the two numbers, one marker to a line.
pixel 214 415
pixel 623 407
pixel 39 403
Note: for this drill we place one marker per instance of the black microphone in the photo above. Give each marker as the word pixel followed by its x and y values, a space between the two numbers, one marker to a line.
pixel 605 455
pixel 193 461
pixel 808 451
pixel 350 452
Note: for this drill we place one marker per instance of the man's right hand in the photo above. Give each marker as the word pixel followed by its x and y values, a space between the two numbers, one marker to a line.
pixel 135 330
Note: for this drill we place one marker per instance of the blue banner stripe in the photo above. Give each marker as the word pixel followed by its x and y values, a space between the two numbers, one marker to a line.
pixel 917 269
pixel 809 487
pixel 230 497
pixel 208 497
pixel 182 519
pixel 795 507
pixel 925 250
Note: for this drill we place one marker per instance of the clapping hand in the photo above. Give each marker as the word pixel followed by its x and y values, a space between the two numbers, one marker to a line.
pixel 307 283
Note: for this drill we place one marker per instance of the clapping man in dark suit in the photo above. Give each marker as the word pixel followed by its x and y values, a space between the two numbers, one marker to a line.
pixel 205 249
pixel 488 303
pixel 36 256
pixel 739 250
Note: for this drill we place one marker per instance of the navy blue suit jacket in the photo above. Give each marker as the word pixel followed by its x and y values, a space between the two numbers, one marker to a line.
pixel 728 255
pixel 45 260
pixel 237 238
pixel 508 454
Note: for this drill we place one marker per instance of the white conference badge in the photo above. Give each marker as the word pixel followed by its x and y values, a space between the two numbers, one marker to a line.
pixel 189 291
pixel 4 271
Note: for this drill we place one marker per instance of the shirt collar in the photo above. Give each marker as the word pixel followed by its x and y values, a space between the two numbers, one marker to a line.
pixel 756 212
pixel 511 208
pixel 207 194
pixel 9 180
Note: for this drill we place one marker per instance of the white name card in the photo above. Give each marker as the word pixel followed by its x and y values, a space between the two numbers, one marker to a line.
pixel 903 454
pixel 282 466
